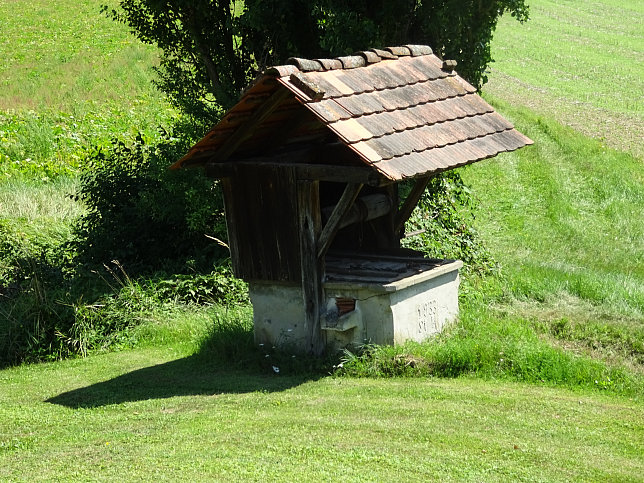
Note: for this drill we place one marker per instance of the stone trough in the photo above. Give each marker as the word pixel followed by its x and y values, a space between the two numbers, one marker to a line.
pixel 383 300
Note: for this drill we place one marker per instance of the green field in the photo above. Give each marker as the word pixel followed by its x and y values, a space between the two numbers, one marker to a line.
pixel 166 414
pixel 541 379
pixel 69 78
pixel 579 62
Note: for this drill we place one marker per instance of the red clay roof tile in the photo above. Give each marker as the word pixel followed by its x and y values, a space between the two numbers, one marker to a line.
pixel 400 110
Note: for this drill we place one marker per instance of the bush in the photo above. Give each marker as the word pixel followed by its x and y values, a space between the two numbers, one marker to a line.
pixel 145 216
pixel 445 216
pixel 149 227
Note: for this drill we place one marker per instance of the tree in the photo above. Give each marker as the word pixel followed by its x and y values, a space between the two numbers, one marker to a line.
pixel 211 49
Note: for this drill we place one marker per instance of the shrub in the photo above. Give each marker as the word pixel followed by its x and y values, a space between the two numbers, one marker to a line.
pixel 445 216
pixel 145 216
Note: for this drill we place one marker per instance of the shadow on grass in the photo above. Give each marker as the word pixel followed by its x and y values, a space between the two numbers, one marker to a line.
pixel 189 376
pixel 227 362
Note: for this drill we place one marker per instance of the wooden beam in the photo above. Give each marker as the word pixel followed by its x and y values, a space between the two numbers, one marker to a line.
pixel 333 224
pixel 247 128
pixel 305 171
pixel 308 197
pixel 410 203
pixel 364 208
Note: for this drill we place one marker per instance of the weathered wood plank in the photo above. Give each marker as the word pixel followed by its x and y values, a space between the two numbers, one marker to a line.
pixel 333 224
pixel 231 225
pixel 312 267
pixel 305 171
pixel 410 203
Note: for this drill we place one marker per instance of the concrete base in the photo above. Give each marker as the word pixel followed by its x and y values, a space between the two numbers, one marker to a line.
pixel 361 311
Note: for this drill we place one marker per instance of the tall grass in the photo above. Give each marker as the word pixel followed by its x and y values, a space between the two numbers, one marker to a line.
pixel 564 217
pixel 486 345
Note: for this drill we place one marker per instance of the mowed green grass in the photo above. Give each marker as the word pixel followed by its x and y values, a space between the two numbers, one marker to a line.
pixel 163 412
pixel 70 78
pixel 564 216
pixel 66 56
pixel 581 62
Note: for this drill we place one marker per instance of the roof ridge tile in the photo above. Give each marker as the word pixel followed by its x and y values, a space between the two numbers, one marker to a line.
pixel 399 51
pixel 384 54
pixel 358 59
pixel 418 50
pixel 369 56
pixel 305 65
pixel 352 61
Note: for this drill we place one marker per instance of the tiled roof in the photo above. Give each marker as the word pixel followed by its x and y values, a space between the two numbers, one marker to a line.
pixel 401 110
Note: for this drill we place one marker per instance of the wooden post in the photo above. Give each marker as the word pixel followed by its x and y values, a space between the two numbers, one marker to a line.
pixel 308 203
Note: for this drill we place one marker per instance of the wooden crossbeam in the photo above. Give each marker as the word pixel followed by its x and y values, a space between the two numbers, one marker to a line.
pixel 305 171
pixel 410 203
pixel 333 224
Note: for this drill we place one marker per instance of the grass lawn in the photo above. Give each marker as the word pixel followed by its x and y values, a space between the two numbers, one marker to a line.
pixel 70 78
pixel 162 412
pixel 581 62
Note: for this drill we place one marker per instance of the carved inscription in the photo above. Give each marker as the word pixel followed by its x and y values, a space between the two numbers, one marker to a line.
pixel 427 317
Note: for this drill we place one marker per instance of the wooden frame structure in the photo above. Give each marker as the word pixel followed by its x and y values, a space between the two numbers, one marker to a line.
pixel 311 157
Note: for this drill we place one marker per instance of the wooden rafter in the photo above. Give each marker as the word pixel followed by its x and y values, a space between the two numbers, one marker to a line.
pixel 410 203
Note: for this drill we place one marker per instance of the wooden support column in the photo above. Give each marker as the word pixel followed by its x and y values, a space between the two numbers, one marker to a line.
pixel 308 202
pixel 410 203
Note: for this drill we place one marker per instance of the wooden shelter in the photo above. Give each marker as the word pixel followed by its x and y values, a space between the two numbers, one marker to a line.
pixel 312 156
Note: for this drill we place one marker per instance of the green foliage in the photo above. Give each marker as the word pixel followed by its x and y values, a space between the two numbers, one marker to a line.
pixel 213 49
pixel 445 218
pixel 145 216
pixel 70 79
pixel 46 314
pixel 218 286
pixel 484 345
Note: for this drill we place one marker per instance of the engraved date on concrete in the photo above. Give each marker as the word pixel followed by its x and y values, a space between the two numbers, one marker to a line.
pixel 427 317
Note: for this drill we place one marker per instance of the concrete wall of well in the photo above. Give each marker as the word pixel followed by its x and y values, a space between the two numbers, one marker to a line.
pixel 384 314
